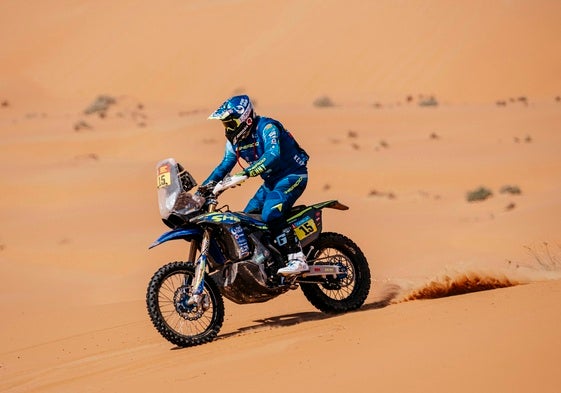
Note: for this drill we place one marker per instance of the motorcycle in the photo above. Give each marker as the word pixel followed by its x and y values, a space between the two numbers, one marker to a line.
pixel 233 255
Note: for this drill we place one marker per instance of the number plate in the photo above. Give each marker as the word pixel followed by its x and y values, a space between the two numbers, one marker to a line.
pixel 306 229
pixel 164 176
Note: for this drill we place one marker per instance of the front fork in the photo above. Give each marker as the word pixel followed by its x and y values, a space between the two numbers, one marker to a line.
pixel 198 284
pixel 200 265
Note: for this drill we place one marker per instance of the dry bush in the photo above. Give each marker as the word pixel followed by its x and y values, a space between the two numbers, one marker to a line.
pixel 323 102
pixel 508 189
pixel 81 125
pixel 428 101
pixel 376 193
pixel 100 105
pixel 479 194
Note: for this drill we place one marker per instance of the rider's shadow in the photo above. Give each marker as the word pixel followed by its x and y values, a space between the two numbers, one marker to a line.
pixel 385 300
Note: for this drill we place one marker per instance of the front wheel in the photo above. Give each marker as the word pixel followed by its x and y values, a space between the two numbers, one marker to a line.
pixel 346 291
pixel 176 319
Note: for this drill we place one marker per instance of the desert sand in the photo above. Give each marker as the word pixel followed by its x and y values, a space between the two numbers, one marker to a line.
pixel 465 295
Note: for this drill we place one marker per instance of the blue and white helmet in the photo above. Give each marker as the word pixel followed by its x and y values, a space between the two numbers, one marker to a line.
pixel 237 116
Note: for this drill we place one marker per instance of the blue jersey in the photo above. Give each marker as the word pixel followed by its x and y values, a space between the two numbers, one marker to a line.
pixel 270 151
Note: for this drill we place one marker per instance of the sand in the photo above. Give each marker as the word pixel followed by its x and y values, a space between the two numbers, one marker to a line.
pixel 464 294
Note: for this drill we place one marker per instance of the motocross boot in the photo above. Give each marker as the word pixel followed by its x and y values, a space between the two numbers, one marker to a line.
pixel 290 244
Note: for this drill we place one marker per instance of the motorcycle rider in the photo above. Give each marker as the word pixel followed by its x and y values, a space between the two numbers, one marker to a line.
pixel 272 153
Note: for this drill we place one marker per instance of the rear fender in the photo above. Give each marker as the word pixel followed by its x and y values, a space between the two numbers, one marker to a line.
pixel 307 223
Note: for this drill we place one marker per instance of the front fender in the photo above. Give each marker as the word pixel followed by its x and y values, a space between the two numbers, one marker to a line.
pixel 178 233
pixel 188 234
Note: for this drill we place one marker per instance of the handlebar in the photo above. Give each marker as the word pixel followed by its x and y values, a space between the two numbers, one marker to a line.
pixel 228 182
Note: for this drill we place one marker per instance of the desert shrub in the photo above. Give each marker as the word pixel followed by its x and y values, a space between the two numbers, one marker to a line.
pixel 100 105
pixel 479 194
pixel 82 125
pixel 428 101
pixel 508 189
pixel 376 193
pixel 323 102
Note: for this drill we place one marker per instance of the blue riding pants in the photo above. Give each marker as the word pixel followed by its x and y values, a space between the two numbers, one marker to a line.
pixel 275 203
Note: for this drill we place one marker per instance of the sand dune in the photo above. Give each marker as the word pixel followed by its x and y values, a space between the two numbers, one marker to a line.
pixel 78 204
pixel 353 51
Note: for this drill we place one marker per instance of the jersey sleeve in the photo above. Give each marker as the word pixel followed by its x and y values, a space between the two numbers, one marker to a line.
pixel 226 165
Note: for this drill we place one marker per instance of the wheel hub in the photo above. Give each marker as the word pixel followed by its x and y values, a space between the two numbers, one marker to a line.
pixel 187 309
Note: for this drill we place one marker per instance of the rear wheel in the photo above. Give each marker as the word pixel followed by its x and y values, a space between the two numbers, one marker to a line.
pixel 343 292
pixel 178 321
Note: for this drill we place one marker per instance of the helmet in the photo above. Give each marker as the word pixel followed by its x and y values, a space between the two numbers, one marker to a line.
pixel 237 116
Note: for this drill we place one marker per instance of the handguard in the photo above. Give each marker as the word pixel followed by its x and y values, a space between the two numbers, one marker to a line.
pixel 228 182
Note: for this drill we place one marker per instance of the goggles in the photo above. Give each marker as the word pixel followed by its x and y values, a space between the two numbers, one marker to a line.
pixel 231 125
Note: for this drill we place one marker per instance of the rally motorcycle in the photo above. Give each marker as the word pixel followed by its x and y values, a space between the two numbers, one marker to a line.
pixel 233 255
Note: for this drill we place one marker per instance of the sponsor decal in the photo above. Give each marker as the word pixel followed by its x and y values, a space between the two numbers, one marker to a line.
pixel 257 170
pixel 292 187
pixel 299 160
pixel 225 218
pixel 248 146
pixel 238 234
pixel 281 240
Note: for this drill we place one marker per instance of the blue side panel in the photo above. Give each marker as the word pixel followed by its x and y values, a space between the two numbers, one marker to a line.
pixel 251 221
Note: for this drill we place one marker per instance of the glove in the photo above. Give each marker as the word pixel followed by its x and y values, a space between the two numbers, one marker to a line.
pixel 206 189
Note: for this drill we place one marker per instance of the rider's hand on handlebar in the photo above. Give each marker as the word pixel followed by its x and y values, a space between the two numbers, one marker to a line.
pixel 206 189
pixel 239 178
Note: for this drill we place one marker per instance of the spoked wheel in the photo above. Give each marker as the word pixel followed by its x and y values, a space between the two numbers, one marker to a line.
pixel 173 312
pixel 343 292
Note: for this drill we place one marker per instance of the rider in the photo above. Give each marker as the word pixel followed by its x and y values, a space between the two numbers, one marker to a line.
pixel 273 153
